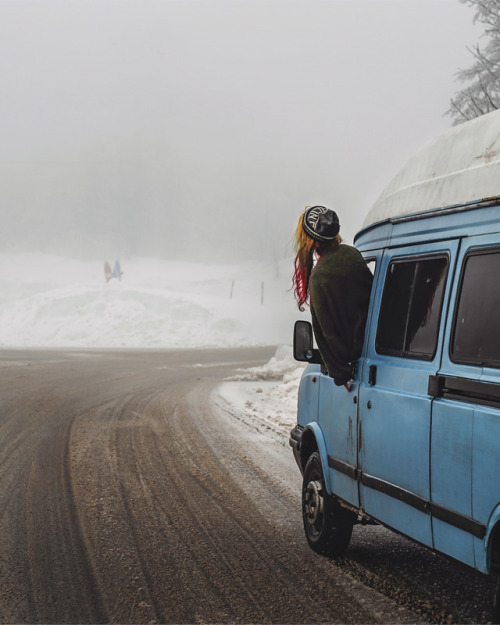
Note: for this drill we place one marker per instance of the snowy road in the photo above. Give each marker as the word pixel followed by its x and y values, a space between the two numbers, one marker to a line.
pixel 132 492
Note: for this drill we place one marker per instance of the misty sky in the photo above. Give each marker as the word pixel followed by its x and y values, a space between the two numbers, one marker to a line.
pixel 201 129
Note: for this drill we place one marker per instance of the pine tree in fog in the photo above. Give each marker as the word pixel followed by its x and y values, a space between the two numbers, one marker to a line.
pixel 481 93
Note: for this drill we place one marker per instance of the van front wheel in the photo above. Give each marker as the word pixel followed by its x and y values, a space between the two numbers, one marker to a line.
pixel 328 526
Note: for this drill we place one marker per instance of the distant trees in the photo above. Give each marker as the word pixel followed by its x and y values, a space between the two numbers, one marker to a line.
pixel 482 79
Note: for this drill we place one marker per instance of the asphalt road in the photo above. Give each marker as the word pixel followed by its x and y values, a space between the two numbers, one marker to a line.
pixel 127 498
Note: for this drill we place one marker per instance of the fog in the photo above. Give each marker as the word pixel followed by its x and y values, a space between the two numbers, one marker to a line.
pixel 199 130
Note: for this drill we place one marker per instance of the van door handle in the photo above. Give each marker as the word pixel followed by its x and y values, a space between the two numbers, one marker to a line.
pixel 372 375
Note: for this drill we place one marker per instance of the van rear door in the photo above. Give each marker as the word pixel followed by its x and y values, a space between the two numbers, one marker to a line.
pixel 465 457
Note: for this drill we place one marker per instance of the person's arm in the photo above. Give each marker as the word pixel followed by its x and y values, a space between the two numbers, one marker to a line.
pixel 329 321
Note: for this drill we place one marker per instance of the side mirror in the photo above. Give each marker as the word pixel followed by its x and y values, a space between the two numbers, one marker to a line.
pixel 303 344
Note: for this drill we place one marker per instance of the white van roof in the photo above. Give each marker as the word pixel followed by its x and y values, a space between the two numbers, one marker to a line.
pixel 459 167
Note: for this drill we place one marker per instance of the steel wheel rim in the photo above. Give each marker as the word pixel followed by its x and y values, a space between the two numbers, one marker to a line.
pixel 314 504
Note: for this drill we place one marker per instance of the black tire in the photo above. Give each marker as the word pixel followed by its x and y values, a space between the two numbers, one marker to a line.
pixel 328 526
pixel 496 603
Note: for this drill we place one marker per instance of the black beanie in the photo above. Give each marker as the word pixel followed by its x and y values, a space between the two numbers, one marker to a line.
pixel 320 223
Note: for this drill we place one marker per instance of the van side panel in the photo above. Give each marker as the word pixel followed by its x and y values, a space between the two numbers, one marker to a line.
pixel 338 419
pixel 486 462
pixel 394 450
pixel 485 469
pixel 307 407
pixel 451 481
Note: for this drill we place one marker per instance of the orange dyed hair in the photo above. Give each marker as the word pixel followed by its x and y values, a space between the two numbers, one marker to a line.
pixel 304 260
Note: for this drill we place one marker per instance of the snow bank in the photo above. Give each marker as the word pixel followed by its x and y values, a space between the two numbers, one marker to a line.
pixel 279 366
pixel 49 301
pixel 264 397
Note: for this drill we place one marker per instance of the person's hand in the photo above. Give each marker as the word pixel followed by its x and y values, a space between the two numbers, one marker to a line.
pixel 348 385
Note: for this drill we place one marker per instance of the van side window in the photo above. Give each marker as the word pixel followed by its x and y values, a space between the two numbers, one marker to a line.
pixel 411 307
pixel 476 333
pixel 371 263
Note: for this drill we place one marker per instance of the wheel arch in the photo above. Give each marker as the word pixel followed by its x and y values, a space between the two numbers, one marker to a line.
pixel 313 440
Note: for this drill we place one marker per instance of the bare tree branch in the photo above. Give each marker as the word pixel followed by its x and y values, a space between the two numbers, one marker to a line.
pixel 481 93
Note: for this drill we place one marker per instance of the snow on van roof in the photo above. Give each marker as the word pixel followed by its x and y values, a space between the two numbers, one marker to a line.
pixel 462 165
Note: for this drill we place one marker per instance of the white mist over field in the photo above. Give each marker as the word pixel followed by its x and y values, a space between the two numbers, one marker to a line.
pixel 200 129
pixel 52 301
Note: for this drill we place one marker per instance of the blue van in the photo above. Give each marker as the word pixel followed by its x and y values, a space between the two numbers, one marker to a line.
pixel 415 444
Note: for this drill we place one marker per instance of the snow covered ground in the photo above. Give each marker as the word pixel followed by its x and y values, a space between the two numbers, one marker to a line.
pixel 51 301
pixel 264 397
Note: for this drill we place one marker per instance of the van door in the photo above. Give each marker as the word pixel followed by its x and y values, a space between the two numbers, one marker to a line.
pixel 403 350
pixel 338 418
pixel 465 456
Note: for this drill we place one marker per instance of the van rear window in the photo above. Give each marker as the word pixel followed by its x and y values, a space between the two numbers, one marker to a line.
pixel 476 332
pixel 411 307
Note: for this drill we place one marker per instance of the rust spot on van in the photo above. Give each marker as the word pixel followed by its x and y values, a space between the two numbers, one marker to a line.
pixel 350 439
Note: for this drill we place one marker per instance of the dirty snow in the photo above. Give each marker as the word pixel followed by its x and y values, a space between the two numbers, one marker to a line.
pixel 264 397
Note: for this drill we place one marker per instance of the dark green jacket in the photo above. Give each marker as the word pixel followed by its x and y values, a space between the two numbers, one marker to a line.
pixel 340 288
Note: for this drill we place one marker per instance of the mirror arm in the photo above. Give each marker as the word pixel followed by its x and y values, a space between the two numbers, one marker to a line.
pixel 315 357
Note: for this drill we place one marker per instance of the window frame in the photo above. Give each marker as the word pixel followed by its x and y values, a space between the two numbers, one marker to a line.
pixel 405 353
pixel 477 251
